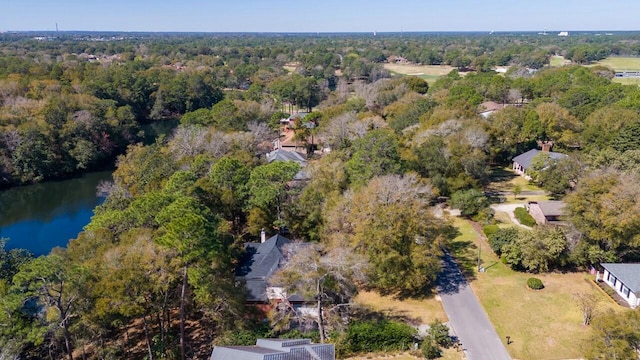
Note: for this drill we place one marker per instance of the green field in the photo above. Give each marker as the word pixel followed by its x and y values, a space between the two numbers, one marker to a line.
pixel 430 73
pixel 627 81
pixel 621 63
pixel 557 61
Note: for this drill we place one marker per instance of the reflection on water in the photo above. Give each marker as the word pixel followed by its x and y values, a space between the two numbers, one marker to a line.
pixel 42 216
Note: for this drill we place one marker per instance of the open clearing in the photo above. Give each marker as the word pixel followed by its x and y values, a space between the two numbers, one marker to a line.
pixel 414 311
pixel 545 324
pixel 417 311
pixel 619 63
pixel 431 73
pixel 557 60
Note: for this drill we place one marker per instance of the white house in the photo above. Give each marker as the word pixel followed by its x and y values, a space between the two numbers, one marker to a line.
pixel 625 280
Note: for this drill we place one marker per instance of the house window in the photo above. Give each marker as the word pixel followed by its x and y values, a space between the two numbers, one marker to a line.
pixel 608 276
pixel 627 292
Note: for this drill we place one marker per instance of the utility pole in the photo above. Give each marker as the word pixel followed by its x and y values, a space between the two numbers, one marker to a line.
pixel 479 252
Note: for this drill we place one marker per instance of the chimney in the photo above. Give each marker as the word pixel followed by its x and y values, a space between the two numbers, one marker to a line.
pixel 263 236
pixel 545 145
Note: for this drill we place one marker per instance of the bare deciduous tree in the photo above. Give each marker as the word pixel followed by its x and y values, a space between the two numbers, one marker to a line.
pixel 188 140
pixel 328 278
pixel 587 303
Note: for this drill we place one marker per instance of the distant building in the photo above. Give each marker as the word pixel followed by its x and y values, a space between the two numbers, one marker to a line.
pixel 276 349
pixel 563 33
pixel 489 107
pixel 286 155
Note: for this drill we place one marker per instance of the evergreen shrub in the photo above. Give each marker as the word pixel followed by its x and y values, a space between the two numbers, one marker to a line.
pixel 535 284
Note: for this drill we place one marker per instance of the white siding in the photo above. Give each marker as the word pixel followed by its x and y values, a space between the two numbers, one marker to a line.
pixel 634 301
pixel 621 289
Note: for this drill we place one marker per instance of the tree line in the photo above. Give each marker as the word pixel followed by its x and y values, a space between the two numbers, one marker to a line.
pixel 159 253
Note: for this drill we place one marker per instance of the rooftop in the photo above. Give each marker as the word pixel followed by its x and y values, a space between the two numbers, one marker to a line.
pixel 489 106
pixel 258 263
pixel 281 349
pixel 525 159
pixel 552 208
pixel 284 155
pixel 629 274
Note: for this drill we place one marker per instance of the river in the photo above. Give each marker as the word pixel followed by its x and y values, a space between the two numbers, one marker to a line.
pixel 42 216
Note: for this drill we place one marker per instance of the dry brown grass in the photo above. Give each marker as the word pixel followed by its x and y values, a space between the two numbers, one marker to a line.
pixel 448 354
pixel 418 311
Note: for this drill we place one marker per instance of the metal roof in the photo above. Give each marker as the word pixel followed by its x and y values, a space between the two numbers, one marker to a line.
pixel 628 274
pixel 282 349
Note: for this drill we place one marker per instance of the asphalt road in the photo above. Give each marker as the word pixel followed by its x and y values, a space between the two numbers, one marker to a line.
pixel 466 317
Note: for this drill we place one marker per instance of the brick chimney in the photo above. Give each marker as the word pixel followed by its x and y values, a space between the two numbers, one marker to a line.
pixel 545 145
pixel 263 236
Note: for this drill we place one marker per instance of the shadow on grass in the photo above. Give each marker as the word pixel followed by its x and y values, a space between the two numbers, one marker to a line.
pixel 501 175
pixel 465 254
pixel 363 313
pixel 490 266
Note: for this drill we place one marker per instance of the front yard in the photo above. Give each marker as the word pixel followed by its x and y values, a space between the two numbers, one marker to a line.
pixel 545 324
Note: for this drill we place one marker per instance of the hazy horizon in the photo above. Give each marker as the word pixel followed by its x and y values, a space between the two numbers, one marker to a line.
pixel 330 16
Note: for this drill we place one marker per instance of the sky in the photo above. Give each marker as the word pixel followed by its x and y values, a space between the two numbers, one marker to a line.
pixel 319 15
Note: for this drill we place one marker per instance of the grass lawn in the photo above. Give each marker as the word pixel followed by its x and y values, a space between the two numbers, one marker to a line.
pixel 626 81
pixel 415 311
pixel 431 73
pixel 545 324
pixel 557 61
pixel 504 179
pixel 619 63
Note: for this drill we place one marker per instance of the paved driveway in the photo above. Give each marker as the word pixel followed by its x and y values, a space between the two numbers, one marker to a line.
pixel 509 209
pixel 466 317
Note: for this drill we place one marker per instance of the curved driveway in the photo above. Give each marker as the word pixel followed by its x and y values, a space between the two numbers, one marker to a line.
pixel 466 317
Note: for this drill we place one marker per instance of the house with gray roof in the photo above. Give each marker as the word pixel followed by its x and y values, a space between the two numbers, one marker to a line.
pixel 625 280
pixel 258 263
pixel 285 155
pixel 276 349
pixel 547 212
pixel 256 267
pixel 522 162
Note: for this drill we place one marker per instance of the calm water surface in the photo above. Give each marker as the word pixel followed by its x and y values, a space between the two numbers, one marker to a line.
pixel 42 216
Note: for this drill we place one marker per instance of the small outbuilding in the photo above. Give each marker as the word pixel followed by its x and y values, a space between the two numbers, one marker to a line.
pixel 625 280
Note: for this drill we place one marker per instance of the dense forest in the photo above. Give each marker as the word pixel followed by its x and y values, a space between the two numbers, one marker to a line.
pixel 160 252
